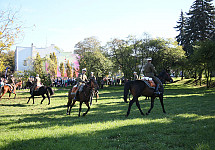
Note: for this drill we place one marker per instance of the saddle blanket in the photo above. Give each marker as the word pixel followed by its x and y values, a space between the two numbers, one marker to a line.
pixel 149 80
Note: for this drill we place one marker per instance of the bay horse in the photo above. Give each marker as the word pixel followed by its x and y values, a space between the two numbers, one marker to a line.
pixel 140 88
pixel 8 89
pixel 41 91
pixel 84 96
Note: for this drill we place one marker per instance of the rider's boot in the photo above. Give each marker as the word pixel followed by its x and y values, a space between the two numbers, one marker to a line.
pixel 76 95
pixel 156 90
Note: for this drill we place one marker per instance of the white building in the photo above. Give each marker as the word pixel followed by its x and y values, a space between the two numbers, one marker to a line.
pixel 24 56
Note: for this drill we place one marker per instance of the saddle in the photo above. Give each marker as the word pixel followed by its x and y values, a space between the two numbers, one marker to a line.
pixel 10 87
pixel 149 82
pixel 74 89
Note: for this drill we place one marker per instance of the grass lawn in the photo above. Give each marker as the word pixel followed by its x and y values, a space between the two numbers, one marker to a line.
pixel 188 124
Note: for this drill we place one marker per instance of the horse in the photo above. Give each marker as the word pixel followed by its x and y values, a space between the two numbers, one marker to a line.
pixel 7 88
pixel 28 84
pixel 41 91
pixel 84 96
pixel 141 88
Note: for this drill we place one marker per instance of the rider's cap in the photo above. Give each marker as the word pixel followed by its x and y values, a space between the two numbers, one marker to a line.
pixel 11 75
pixel 92 72
pixel 84 69
pixel 135 72
pixel 149 58
pixel 37 75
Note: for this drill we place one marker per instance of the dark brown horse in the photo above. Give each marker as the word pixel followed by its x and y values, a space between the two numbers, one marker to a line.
pixel 8 89
pixel 140 88
pixel 43 90
pixel 84 96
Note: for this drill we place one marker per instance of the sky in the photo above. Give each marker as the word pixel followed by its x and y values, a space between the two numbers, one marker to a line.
pixel 66 22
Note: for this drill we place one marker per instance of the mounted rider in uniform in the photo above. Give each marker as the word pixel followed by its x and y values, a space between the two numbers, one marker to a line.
pixel 150 71
pixel 11 82
pixel 37 84
pixel 81 80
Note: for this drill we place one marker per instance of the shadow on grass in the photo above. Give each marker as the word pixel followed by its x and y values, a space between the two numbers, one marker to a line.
pixel 123 137
pixel 176 133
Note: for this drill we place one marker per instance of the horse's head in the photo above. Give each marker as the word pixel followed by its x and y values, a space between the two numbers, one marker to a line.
pixel 164 75
pixel 93 83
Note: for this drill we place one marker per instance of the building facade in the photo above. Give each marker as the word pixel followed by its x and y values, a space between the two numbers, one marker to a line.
pixel 24 57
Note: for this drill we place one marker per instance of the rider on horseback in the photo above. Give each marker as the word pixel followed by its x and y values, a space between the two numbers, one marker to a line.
pixel 37 84
pixel 81 80
pixel 150 71
pixel 11 83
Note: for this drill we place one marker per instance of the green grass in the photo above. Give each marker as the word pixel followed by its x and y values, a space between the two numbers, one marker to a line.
pixel 188 124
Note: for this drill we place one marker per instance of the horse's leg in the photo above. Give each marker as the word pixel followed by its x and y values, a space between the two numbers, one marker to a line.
pixel 152 105
pixel 138 106
pixel 9 95
pixel 48 97
pixel 129 107
pixel 43 98
pixel 80 109
pixel 33 99
pixel 73 103
pixel 88 106
pixel 15 94
pixel 29 99
pixel 161 101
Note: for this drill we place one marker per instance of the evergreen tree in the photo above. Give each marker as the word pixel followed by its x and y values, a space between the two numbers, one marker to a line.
pixel 62 69
pixel 38 65
pixel 68 69
pixel 200 25
pixel 181 28
pixel 53 64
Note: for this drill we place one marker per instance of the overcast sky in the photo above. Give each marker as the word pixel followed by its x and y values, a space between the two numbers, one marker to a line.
pixel 66 22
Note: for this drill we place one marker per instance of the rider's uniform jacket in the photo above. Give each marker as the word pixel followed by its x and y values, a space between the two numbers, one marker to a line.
pixel 149 70
pixel 82 78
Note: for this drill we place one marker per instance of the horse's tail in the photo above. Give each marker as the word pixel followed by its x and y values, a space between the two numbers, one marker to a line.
pixel 50 90
pixel 126 90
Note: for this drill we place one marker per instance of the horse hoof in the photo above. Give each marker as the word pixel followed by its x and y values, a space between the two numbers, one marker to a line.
pixel 164 112
pixel 84 114
pixel 147 113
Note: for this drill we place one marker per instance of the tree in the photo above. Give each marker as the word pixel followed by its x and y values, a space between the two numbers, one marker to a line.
pixel 62 69
pixel 90 44
pixel 52 65
pixel 198 25
pixel 201 20
pixel 9 29
pixel 38 65
pixel 204 55
pixel 181 27
pixel 7 60
pixel 68 69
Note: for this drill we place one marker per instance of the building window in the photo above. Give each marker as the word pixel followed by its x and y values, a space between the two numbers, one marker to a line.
pixel 25 63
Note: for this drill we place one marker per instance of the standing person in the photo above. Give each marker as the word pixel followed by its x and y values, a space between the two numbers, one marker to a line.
pixel 11 81
pixel 150 71
pixel 92 75
pixel 81 80
pixel 37 84
pixel 135 76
